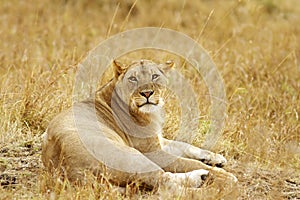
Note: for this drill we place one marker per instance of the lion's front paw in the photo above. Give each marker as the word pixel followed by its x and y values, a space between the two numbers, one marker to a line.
pixel 196 178
pixel 206 157
pixel 214 160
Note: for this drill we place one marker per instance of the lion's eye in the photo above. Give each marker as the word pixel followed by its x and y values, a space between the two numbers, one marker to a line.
pixel 155 76
pixel 132 79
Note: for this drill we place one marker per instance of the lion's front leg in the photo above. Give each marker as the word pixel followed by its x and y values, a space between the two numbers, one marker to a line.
pixel 177 164
pixel 189 151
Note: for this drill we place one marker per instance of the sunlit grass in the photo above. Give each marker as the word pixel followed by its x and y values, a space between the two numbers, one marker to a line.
pixel 255 45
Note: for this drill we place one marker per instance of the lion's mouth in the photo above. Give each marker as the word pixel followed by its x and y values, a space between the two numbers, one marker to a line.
pixel 147 103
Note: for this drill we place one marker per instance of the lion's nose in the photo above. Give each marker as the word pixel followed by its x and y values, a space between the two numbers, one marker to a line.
pixel 146 94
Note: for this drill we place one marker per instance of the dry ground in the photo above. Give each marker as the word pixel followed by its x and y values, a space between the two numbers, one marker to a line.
pixel 255 45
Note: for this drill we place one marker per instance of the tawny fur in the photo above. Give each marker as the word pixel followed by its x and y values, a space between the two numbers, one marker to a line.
pixel 117 104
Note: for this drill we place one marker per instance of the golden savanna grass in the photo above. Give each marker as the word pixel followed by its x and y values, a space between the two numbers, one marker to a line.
pixel 255 45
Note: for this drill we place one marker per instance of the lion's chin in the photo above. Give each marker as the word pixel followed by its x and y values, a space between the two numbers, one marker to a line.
pixel 149 108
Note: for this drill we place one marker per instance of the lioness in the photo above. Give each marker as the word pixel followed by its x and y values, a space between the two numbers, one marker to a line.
pixel 125 140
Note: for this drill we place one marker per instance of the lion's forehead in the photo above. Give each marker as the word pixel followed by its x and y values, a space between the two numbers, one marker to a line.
pixel 143 70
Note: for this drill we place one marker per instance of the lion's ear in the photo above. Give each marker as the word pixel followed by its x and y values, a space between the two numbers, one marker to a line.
pixel 167 66
pixel 119 68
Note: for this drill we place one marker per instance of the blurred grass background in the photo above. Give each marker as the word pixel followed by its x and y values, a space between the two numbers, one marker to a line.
pixel 255 45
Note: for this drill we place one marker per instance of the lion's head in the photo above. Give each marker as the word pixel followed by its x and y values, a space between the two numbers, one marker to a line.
pixel 140 85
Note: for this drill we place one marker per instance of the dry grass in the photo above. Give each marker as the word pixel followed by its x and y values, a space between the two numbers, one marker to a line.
pixel 255 45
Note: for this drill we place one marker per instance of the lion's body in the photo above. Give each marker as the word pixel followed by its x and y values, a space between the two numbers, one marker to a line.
pixel 119 135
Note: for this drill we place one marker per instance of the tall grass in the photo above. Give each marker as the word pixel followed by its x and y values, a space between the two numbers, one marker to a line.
pixel 255 45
